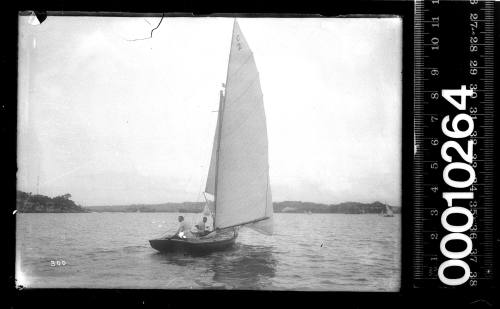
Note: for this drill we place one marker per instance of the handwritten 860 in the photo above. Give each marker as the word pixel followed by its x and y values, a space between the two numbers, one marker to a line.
pixel 58 263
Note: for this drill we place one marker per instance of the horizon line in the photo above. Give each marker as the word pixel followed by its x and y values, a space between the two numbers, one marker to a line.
pixel 201 202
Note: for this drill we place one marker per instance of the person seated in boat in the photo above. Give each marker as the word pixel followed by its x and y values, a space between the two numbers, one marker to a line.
pixel 201 227
pixel 184 229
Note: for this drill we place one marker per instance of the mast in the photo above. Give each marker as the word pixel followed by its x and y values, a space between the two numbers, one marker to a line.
pixel 221 114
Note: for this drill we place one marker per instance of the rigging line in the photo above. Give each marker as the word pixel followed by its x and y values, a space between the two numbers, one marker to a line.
pixel 199 189
pixel 202 176
pixel 267 193
pixel 152 30
pixel 205 150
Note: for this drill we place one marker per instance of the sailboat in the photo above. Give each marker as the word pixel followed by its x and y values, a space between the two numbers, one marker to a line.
pixel 388 211
pixel 238 175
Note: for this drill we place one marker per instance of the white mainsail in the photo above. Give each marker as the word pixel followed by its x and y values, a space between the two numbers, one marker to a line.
pixel 239 170
pixel 266 226
pixel 388 210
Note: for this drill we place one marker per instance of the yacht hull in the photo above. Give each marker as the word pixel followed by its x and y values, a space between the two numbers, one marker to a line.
pixel 194 245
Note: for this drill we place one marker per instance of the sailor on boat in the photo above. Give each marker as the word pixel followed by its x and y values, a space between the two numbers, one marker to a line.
pixel 184 230
pixel 201 228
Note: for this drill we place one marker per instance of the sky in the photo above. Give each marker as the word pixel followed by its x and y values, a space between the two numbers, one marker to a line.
pixel 115 118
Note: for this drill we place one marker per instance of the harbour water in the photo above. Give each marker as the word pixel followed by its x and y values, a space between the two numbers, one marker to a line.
pixel 334 252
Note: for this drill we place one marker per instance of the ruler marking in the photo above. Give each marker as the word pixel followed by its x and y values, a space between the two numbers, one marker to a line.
pixel 426 60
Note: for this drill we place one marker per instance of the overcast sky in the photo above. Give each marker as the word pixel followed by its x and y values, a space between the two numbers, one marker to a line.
pixel 115 120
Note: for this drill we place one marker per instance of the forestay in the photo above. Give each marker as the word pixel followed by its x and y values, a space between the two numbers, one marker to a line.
pixel 210 185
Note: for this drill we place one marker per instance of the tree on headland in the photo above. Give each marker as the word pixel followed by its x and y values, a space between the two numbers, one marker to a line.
pixel 26 202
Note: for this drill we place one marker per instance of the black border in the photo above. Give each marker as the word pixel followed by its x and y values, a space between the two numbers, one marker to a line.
pixel 172 298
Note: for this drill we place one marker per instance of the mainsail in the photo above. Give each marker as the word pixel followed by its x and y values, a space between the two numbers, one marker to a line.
pixel 266 226
pixel 239 170
pixel 388 210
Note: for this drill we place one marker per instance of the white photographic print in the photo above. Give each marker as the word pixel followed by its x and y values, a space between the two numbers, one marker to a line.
pixel 215 152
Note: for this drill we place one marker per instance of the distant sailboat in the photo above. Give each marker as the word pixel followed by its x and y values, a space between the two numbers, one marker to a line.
pixel 238 176
pixel 387 212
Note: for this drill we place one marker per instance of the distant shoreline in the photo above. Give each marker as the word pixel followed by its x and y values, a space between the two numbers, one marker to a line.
pixel 279 207
pixel 37 203
pixel 29 203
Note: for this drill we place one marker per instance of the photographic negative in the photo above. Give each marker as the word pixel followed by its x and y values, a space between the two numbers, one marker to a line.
pixel 192 153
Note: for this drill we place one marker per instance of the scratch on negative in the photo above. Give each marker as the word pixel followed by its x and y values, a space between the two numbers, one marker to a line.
pixel 171 281
pixel 152 30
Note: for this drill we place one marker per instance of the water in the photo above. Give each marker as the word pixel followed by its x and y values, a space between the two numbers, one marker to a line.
pixel 335 252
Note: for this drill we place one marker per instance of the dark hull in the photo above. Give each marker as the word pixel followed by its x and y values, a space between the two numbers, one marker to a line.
pixel 194 245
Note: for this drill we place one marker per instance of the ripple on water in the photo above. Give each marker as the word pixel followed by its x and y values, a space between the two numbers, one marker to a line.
pixel 316 252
